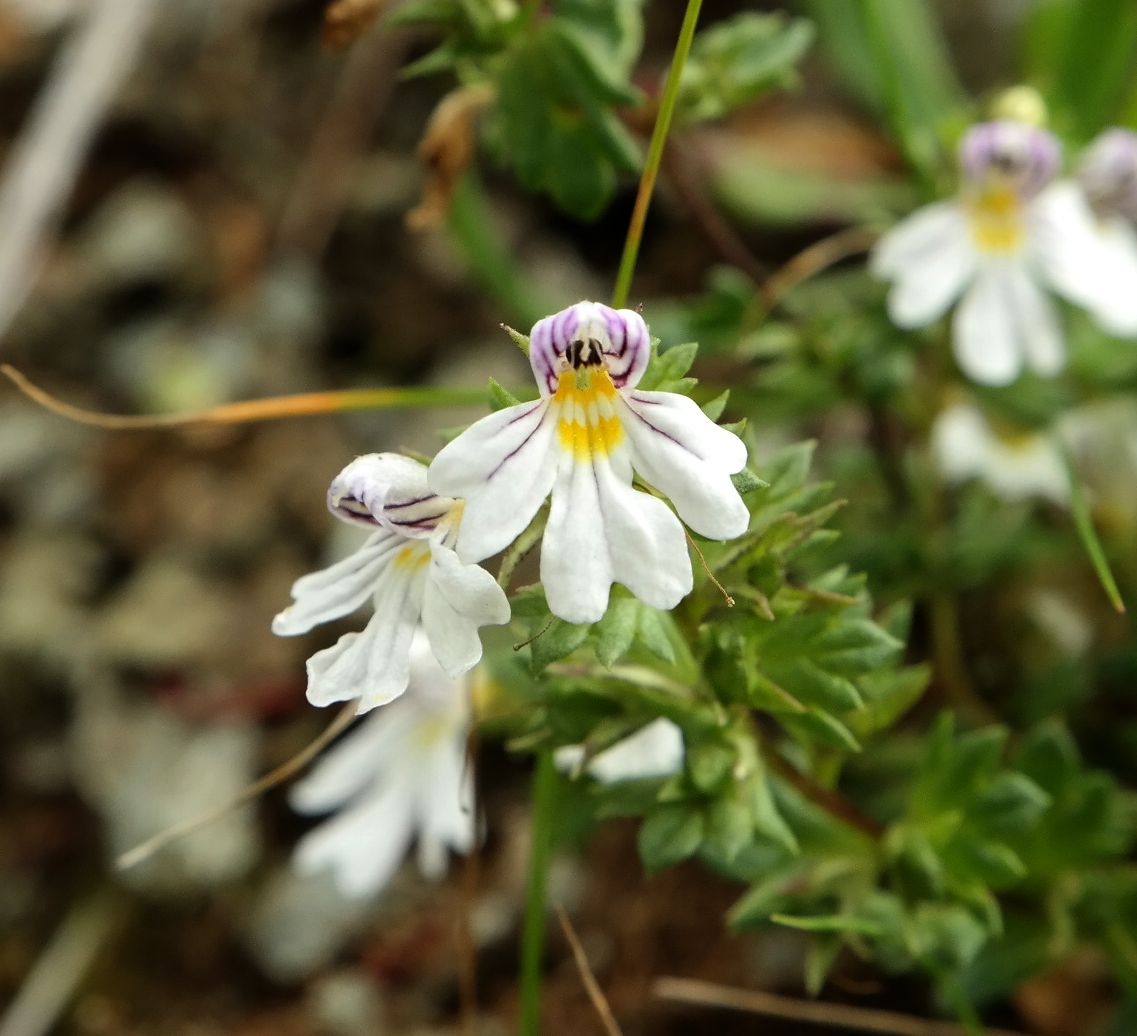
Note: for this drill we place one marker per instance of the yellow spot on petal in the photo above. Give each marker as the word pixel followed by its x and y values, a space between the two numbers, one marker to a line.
pixel 412 556
pixel 589 425
pixel 996 219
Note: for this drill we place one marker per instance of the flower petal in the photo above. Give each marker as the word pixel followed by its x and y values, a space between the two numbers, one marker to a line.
pixel 502 466
pixel 353 763
pixel 986 345
pixel 1036 324
pixel 447 817
pixel 924 289
pixel 576 570
pixel 387 489
pixel 458 599
pixel 645 542
pixel 655 750
pixel 337 590
pixel 681 452
pixel 364 845
pixel 917 239
pixel 374 665
pixel 621 335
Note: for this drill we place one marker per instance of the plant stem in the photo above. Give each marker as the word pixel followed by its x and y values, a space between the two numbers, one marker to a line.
pixel 536 893
pixel 655 154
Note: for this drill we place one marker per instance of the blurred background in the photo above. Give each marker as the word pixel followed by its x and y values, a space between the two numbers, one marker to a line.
pixel 217 200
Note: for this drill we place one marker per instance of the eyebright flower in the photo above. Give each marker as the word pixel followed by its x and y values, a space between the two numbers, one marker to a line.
pixel 1012 235
pixel 1107 174
pixel 1013 466
pixel 411 573
pixel 402 772
pixel 581 442
pixel 655 750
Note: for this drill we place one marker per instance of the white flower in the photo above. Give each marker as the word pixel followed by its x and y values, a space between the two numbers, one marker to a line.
pixel 581 441
pixel 1014 467
pixel 1107 174
pixel 1013 235
pixel 411 573
pixel 655 750
pixel 401 773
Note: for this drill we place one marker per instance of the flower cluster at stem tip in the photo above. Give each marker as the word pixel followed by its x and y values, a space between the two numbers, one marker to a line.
pixel 1014 234
pixel 583 440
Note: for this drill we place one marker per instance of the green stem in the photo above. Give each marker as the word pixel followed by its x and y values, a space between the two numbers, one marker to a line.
pixel 536 893
pixel 655 154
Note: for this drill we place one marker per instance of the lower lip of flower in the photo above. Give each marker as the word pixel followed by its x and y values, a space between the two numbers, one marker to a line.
pixel 412 556
pixel 588 426
pixel 996 220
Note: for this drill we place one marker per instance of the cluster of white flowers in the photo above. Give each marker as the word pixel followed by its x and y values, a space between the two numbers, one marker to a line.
pixel 582 441
pixel 1016 233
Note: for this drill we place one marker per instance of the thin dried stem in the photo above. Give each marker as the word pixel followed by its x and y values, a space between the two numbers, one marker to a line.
pixel 143 851
pixel 707 568
pixel 274 408
pixel 837 1016
pixel 813 260
pixel 591 986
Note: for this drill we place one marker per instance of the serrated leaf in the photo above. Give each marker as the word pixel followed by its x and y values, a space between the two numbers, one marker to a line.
pixel 745 481
pixel 1011 803
pixel 709 762
pixel 616 631
pixel 714 408
pixel 670 834
pixel 560 639
pixel 768 820
pixel 819 726
pixel 500 398
pixel 653 632
pixel 729 826
pixel 830 923
pixel 737 61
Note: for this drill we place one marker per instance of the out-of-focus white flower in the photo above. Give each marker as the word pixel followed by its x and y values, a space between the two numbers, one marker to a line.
pixel 1014 467
pixel 401 774
pixel 1012 235
pixel 655 750
pixel 581 442
pixel 1107 174
pixel 408 569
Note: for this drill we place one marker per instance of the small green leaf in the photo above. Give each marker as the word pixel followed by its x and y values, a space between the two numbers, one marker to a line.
pixel 616 631
pixel 714 408
pixel 560 639
pixel 745 481
pixel 653 632
pixel 501 398
pixel 669 835
pixel 830 923
pixel 729 826
pixel 709 762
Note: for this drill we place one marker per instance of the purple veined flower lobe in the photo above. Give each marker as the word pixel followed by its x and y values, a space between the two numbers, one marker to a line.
pixel 1107 172
pixel 1013 236
pixel 409 572
pixel 1020 157
pixel 580 443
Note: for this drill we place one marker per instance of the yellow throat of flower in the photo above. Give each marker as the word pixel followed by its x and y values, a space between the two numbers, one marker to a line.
pixel 588 426
pixel 996 216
